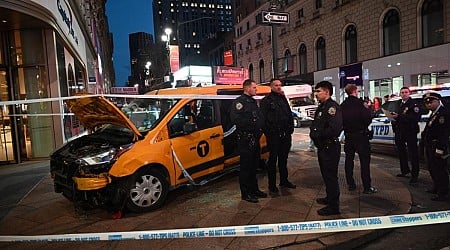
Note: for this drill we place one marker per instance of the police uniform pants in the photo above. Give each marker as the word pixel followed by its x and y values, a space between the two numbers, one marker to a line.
pixel 279 147
pixel 328 161
pixel 407 146
pixel 438 171
pixel 357 142
pixel 249 162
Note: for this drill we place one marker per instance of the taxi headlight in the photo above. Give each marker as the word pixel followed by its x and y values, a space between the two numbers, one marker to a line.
pixel 101 158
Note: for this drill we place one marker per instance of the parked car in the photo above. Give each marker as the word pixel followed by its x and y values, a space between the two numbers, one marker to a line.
pixel 382 127
pixel 134 157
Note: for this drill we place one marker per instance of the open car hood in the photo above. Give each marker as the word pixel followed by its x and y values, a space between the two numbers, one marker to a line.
pixel 93 111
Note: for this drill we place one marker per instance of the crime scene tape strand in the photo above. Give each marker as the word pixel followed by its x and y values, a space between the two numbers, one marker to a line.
pixel 325 226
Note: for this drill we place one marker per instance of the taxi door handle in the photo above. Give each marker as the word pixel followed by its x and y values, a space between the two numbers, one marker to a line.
pixel 214 136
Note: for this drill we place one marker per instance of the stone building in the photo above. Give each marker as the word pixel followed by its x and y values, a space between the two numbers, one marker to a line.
pixel 379 45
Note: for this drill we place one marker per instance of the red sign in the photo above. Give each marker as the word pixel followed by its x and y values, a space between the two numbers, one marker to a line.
pixel 228 58
pixel 174 58
pixel 229 75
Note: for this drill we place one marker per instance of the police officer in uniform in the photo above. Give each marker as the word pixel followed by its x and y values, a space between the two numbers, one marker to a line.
pixel 436 137
pixel 356 118
pixel 249 121
pixel 406 127
pixel 325 130
pixel 278 128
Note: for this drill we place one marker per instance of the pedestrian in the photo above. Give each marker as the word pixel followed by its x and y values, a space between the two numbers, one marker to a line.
pixel 325 130
pixel 356 118
pixel 278 128
pixel 249 121
pixel 436 136
pixel 406 127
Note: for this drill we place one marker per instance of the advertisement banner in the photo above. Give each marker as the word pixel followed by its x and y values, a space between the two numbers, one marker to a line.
pixel 229 75
pixel 351 74
pixel 174 58
pixel 228 58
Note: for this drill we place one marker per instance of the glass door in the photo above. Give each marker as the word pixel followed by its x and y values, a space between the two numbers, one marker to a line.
pixel 6 146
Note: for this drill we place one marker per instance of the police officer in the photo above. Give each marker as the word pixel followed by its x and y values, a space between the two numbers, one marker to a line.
pixel 325 130
pixel 406 127
pixel 356 118
pixel 249 121
pixel 436 141
pixel 278 128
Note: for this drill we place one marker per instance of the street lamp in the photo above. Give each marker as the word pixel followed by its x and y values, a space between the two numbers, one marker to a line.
pixel 147 72
pixel 166 38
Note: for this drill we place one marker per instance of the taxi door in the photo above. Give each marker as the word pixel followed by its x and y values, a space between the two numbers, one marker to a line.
pixel 199 151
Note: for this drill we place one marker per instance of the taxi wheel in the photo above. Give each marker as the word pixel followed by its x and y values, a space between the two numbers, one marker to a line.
pixel 148 189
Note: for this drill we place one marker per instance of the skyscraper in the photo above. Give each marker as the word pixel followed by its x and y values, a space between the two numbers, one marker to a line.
pixel 141 45
pixel 193 24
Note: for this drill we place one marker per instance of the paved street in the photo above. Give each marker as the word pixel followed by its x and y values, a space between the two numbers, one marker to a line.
pixel 218 204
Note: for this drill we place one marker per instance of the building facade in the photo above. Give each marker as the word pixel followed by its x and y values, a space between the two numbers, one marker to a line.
pixel 194 24
pixel 379 45
pixel 48 49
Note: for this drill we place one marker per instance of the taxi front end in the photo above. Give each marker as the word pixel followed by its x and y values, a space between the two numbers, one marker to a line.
pixel 80 168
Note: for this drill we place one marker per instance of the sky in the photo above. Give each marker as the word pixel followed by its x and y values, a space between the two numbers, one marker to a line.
pixel 125 17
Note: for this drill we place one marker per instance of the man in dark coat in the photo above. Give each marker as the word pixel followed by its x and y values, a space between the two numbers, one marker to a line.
pixel 278 128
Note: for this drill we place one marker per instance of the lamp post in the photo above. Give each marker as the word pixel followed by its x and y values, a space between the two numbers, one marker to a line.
pixel 147 72
pixel 166 38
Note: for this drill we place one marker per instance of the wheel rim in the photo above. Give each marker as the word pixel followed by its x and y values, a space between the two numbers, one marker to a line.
pixel 147 192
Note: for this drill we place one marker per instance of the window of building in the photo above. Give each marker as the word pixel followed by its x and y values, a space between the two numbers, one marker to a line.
pixel 248 25
pixel 320 53
pixel 287 64
pixel 261 71
pixel 300 13
pixel 318 4
pixel 391 33
pixel 250 71
pixel 351 47
pixel 432 23
pixel 302 59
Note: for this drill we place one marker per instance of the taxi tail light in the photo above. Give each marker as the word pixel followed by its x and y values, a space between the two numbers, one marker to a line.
pixel 121 150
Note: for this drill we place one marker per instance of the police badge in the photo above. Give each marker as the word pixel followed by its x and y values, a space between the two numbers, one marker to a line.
pixel 332 111
pixel 239 106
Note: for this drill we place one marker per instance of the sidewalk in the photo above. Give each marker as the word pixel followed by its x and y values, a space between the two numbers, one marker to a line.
pixel 216 204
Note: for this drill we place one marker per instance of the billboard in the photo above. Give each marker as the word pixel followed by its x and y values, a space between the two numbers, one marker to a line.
pixel 174 58
pixel 351 74
pixel 125 90
pixel 229 75
pixel 228 58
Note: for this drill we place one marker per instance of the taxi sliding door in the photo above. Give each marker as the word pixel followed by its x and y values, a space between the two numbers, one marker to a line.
pixel 199 152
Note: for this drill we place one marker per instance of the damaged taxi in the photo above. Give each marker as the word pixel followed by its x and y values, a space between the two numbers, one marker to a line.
pixel 132 157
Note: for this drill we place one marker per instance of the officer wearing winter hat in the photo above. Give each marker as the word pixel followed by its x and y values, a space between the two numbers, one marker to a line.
pixel 436 141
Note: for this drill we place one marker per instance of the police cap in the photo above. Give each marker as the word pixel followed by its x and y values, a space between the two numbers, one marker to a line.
pixel 428 97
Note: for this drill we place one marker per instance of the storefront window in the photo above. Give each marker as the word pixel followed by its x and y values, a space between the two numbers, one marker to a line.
pixel 385 86
pixel 430 78
pixel 32 125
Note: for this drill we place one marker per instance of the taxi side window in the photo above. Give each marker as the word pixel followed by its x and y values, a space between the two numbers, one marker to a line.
pixel 206 117
pixel 183 116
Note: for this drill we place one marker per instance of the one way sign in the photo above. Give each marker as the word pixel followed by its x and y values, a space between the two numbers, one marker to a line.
pixel 275 17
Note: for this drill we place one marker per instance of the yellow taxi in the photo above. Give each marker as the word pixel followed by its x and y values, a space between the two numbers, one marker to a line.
pixel 134 156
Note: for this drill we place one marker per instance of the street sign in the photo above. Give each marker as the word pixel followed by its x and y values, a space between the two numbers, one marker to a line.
pixel 275 17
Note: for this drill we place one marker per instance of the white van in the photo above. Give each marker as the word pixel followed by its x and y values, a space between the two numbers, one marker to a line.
pixel 302 105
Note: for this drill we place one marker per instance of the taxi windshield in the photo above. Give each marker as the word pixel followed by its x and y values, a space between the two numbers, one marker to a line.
pixel 146 113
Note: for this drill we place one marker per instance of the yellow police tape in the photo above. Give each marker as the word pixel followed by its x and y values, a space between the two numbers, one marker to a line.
pixel 325 226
